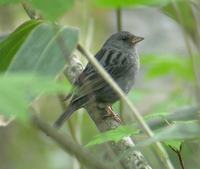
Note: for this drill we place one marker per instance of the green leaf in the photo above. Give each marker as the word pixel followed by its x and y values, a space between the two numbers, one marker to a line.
pixel 177 131
pixel 18 90
pixel 114 135
pixel 126 3
pixel 3 2
pixel 9 47
pixel 175 144
pixel 3 36
pixel 178 66
pixel 161 115
pixel 44 51
pixel 186 113
pixel 49 9
pixel 52 9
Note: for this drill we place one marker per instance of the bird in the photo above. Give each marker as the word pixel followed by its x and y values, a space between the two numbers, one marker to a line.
pixel 120 59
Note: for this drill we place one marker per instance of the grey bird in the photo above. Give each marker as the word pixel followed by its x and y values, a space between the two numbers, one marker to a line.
pixel 119 58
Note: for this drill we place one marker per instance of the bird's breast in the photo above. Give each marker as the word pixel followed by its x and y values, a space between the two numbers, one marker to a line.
pixel 127 80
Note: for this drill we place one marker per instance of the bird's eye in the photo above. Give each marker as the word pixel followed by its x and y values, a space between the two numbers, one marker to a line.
pixel 124 38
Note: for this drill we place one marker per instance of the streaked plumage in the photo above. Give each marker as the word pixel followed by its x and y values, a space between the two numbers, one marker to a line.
pixel 119 58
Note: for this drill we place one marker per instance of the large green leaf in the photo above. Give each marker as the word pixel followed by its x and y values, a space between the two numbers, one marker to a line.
pixel 9 47
pixel 17 90
pixel 44 51
pixel 126 3
pixel 2 2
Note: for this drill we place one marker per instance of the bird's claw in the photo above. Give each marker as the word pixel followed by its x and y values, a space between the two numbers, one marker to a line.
pixel 111 113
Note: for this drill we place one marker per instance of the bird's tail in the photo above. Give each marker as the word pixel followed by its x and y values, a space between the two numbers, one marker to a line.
pixel 58 123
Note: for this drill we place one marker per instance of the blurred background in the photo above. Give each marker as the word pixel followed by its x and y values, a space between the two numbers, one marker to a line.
pixel 168 81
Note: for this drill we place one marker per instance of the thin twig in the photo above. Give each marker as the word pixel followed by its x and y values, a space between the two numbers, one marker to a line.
pixel 30 12
pixel 178 153
pixel 119 19
pixel 180 158
pixel 119 28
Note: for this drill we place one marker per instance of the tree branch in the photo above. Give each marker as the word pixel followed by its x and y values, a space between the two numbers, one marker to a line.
pixel 162 154
pixel 68 145
pixel 132 159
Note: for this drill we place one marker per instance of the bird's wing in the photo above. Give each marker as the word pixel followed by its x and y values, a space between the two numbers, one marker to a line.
pixel 114 62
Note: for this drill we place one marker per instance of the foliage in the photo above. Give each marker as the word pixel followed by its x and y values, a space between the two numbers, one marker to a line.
pixel 35 48
pixel 177 132
pixel 159 66
pixel 38 47
pixel 48 8
pixel 10 46
pixel 114 135
pixel 126 3
pixel 172 135
pixel 175 144
pixel 17 90
pixel 52 10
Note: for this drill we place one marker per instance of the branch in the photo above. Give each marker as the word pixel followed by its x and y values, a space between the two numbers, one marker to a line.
pixel 132 159
pixel 68 145
pixel 162 154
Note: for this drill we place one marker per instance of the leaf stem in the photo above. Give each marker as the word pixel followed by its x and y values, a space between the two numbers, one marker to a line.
pixel 119 19
pixel 178 152
pixel 30 12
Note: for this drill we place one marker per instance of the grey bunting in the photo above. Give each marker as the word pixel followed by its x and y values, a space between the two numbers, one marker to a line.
pixel 119 58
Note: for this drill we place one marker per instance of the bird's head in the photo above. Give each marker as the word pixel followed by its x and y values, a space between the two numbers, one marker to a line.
pixel 123 40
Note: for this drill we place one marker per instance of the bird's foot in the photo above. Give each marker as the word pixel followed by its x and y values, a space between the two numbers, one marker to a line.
pixel 111 113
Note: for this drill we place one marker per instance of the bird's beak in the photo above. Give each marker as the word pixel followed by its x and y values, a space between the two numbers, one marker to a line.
pixel 137 39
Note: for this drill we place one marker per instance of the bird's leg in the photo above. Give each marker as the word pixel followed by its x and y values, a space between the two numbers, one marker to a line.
pixel 111 113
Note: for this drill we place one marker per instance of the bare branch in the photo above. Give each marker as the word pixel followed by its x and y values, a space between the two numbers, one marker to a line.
pixel 158 146
pixel 68 145
pixel 129 158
